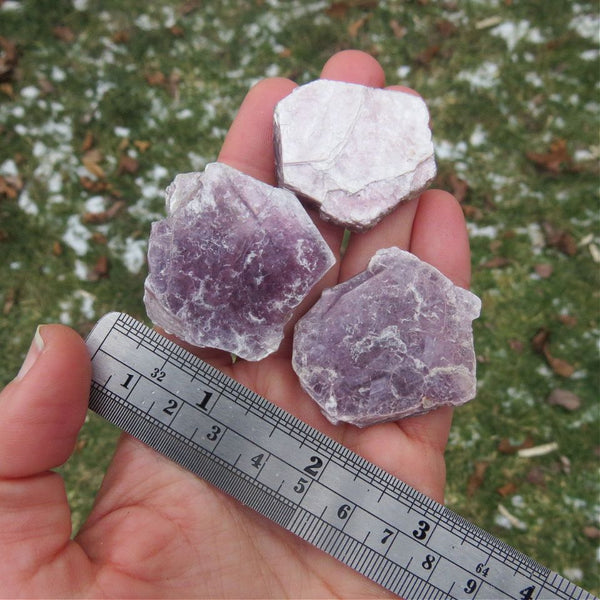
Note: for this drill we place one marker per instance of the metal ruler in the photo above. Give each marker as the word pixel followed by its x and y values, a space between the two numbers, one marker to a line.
pixel 299 478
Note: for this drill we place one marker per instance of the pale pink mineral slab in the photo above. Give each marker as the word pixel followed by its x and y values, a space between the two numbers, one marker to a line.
pixel 354 151
pixel 231 261
pixel 394 341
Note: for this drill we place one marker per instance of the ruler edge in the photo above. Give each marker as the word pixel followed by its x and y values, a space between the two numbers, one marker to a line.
pixel 443 515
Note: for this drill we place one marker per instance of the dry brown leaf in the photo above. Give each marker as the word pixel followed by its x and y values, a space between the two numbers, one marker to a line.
pixel 559 365
pixel 477 477
pixel 172 84
pixel 497 262
pixel 568 400
pixel 99 238
pixel 8 58
pixel 427 55
pixel 543 270
pixel 541 344
pixel 10 186
pixel 177 30
pixel 96 218
pixel 127 164
pixel 88 141
pixel 157 78
pixel 472 212
pixel 459 187
pixel 8 90
pixel 9 300
pixel 187 7
pixel 560 239
pixel 536 476
pixel 63 33
pixel 90 161
pixel 446 28
pixel 555 160
pixel 568 320
pixel 398 30
pixel 357 25
pixel 46 86
pixel 507 489
pixel 93 185
pixel 507 447
pixel 121 37
pixel 591 532
pixel 516 345
pixel 100 269
pixel 540 339
pixel 142 145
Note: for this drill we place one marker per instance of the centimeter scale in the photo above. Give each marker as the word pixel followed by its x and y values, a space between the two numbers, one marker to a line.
pixel 299 478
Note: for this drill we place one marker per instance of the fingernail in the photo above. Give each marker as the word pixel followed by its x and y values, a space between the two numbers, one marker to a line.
pixel 37 345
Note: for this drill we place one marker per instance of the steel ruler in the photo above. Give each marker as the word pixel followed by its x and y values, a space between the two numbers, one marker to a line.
pixel 299 478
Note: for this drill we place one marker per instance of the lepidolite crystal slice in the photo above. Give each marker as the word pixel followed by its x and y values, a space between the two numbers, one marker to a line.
pixel 355 151
pixel 231 261
pixel 394 341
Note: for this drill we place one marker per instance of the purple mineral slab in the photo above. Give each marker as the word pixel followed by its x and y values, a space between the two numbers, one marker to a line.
pixel 354 151
pixel 394 341
pixel 232 260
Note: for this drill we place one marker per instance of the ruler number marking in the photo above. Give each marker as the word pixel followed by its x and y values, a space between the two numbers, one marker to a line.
pixel 314 466
pixel 204 402
pixel 158 374
pixel 128 380
pixel 422 531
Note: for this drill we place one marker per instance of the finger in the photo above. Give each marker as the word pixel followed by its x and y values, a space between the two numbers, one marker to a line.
pixel 354 66
pixel 42 412
pixel 248 145
pixel 44 407
pixel 440 238
pixel 394 230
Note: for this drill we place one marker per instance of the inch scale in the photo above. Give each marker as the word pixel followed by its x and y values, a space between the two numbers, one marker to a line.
pixel 299 478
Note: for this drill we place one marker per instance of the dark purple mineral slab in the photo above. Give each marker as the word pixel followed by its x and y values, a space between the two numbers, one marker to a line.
pixel 394 341
pixel 231 261
pixel 354 151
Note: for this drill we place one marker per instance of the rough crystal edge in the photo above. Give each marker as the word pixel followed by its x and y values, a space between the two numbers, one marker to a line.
pixel 427 167
pixel 471 303
pixel 168 322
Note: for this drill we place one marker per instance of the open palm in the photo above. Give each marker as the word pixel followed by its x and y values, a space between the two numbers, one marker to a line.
pixel 157 530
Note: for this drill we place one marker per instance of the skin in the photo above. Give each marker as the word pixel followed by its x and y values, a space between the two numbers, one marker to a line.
pixel 158 531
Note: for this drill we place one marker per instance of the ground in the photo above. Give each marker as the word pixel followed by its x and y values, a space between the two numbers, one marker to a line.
pixel 102 103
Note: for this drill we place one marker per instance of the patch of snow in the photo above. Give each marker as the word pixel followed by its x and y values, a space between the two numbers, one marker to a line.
pixel 587 26
pixel 514 32
pixel 478 137
pixel 57 74
pixel 484 77
pixel 26 204
pixel 9 167
pixel 30 92
pixel 76 235
pixel 488 231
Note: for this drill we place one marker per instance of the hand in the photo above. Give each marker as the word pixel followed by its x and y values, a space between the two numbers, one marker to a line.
pixel 157 530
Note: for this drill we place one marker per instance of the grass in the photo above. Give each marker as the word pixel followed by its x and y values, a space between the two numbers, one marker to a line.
pixel 512 89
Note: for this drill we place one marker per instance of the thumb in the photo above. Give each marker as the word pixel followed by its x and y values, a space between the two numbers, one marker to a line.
pixel 43 408
pixel 41 412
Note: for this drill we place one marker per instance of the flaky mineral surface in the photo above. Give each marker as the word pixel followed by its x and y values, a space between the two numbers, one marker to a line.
pixel 355 151
pixel 231 261
pixel 394 341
